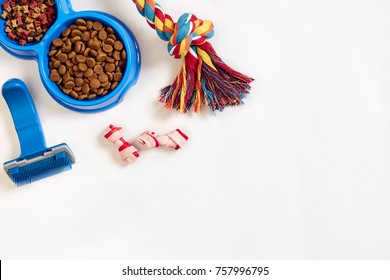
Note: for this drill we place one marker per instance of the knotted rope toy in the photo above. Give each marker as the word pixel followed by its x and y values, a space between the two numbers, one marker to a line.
pixel 173 140
pixel 204 78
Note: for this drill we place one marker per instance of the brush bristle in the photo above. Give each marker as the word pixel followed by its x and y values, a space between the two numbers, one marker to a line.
pixel 29 173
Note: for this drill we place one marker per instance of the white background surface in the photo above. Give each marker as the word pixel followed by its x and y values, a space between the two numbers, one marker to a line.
pixel 300 172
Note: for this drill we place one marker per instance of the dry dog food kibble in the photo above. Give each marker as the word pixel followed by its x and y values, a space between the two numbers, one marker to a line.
pixel 28 20
pixel 87 60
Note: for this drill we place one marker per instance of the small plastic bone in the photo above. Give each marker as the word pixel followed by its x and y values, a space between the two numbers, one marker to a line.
pixel 127 151
pixel 148 139
pixel 115 135
pixel 172 140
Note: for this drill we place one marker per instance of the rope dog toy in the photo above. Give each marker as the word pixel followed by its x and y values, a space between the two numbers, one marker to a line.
pixel 127 151
pixel 204 78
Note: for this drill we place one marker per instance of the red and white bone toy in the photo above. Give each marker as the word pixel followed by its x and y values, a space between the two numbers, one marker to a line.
pixel 172 140
pixel 127 151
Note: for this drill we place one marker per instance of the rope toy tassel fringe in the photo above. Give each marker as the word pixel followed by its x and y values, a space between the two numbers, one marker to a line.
pixel 204 78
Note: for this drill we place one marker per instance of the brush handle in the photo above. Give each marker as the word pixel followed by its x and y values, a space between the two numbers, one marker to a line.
pixel 25 117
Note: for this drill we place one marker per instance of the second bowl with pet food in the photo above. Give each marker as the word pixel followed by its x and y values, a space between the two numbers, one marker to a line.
pixel 87 60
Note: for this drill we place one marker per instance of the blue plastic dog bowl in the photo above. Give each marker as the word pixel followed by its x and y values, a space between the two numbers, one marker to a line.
pixel 39 51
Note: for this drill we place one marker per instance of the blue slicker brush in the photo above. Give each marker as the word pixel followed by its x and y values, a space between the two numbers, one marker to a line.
pixel 36 160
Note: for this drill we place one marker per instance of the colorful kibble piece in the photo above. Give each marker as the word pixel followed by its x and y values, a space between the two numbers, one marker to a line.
pixel 27 21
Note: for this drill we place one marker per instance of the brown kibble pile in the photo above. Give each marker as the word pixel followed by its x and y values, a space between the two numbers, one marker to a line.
pixel 87 61
pixel 27 20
